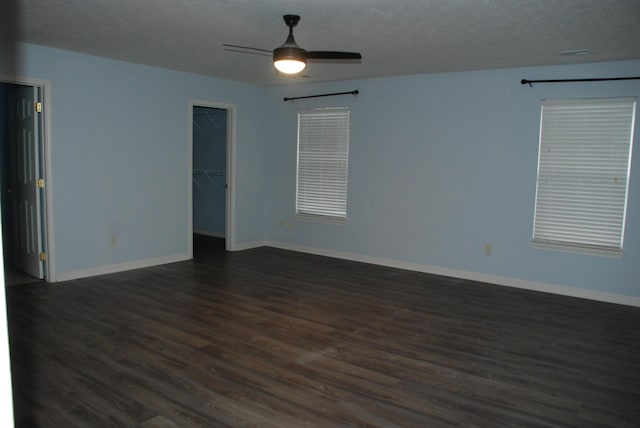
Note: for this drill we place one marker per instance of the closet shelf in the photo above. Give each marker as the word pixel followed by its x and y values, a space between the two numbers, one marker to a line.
pixel 208 172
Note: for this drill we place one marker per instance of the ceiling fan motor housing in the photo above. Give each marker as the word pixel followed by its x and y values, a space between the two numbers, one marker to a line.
pixel 289 53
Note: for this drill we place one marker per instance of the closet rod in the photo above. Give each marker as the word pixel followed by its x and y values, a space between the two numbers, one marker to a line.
pixel 354 93
pixel 602 79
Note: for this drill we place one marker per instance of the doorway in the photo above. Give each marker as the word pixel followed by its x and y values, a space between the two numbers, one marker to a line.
pixel 22 182
pixel 211 142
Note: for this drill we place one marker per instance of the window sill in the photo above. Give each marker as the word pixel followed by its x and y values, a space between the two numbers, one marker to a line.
pixel 567 247
pixel 321 218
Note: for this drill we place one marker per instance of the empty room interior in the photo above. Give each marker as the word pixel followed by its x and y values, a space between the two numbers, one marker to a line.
pixel 433 221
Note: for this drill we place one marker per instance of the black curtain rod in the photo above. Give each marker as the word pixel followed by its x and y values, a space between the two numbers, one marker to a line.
pixel 530 82
pixel 354 93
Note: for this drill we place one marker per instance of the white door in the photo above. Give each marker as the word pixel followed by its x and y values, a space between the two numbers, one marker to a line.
pixel 26 195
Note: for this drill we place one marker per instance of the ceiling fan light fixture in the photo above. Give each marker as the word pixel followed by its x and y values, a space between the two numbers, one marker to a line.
pixel 289 60
pixel 289 66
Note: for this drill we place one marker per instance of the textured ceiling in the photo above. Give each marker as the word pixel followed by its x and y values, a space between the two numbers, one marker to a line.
pixel 395 37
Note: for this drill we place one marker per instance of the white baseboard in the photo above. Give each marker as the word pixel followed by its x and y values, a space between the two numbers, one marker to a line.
pixel 120 267
pixel 248 245
pixel 416 267
pixel 138 264
pixel 474 276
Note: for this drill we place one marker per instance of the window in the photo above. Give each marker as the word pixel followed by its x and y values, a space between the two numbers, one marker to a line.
pixel 323 157
pixel 583 169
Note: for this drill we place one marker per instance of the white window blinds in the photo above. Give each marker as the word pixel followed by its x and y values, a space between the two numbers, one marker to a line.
pixel 323 157
pixel 583 168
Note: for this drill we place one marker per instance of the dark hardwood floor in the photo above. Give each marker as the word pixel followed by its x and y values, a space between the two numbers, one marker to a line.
pixel 273 338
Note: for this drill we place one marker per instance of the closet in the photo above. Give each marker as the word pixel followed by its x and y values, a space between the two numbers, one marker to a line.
pixel 209 171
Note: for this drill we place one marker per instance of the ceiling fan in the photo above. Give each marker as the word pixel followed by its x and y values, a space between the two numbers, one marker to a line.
pixel 291 58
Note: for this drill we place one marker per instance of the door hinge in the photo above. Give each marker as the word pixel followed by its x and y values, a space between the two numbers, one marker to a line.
pixel 43 257
pixel 40 183
pixel 38 107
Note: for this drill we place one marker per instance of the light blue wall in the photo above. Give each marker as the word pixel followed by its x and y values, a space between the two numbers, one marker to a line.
pixel 119 155
pixel 441 165
pixel 209 154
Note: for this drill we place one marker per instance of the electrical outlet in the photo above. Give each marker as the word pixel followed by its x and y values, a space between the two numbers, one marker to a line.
pixel 488 248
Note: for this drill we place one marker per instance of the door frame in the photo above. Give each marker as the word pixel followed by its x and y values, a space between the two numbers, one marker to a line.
pixel 48 244
pixel 230 242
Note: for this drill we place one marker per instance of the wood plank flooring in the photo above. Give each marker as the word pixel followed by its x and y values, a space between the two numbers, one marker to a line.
pixel 272 338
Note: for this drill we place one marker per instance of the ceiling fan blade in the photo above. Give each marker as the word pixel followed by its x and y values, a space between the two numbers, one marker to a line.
pixel 246 49
pixel 333 55
pixel 249 52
